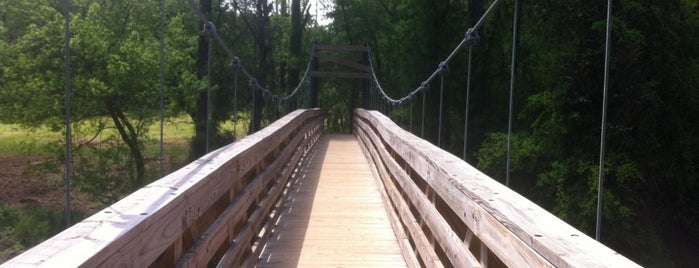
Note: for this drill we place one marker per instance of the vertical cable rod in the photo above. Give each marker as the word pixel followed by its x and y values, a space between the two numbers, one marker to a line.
pixel 441 108
pixel 513 71
pixel 468 97
pixel 162 83
pixel 422 122
pixel 600 182
pixel 67 115
pixel 412 109
pixel 208 91
pixel 235 102
pixel 253 84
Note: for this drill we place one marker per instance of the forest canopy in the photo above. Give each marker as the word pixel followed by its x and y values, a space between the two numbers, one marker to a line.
pixel 652 172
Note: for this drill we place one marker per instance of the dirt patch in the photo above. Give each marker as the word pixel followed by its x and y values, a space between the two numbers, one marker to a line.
pixel 20 188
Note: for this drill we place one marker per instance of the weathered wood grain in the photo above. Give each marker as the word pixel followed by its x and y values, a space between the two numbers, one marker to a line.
pixel 396 223
pixel 349 75
pixel 343 62
pixel 516 230
pixel 453 246
pixel 329 47
pixel 423 248
pixel 334 216
pixel 138 229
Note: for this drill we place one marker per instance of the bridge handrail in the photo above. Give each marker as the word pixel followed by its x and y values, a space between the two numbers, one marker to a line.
pixel 221 206
pixel 450 214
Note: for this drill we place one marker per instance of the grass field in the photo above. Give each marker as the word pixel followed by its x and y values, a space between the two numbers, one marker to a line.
pixel 31 203
pixel 15 139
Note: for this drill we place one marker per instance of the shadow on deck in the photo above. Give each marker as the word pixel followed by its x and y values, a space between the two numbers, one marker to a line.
pixel 287 197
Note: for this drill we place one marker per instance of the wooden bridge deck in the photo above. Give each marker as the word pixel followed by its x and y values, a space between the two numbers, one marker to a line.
pixel 335 215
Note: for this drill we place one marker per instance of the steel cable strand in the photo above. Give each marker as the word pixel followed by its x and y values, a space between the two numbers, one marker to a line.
pixel 467 40
pixel 229 52
pixel 468 96
pixel 68 137
pixel 603 134
pixel 470 37
pixel 300 85
pixel 235 63
pixel 162 86
pixel 441 105
pixel 513 72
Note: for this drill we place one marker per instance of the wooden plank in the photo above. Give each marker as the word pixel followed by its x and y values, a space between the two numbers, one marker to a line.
pixel 290 173
pixel 403 239
pixel 505 245
pixel 324 230
pixel 448 240
pixel 136 230
pixel 424 249
pixel 211 240
pixel 515 229
pixel 254 222
pixel 349 75
pixel 347 48
pixel 344 62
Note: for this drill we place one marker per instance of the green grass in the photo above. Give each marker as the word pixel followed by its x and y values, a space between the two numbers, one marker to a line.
pixel 15 139
pixel 174 129
pixel 178 130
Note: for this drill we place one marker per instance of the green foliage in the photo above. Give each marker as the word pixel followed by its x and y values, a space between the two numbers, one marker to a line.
pixel 101 173
pixel 25 227
pixel 651 140
pixel 651 168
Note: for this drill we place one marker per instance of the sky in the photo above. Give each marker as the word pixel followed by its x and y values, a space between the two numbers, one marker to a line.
pixel 321 8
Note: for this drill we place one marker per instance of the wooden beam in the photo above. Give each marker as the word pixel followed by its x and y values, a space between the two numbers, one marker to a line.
pixel 328 47
pixel 340 75
pixel 455 249
pixel 423 249
pixel 516 230
pixel 343 61
pixel 391 209
pixel 214 237
pixel 137 230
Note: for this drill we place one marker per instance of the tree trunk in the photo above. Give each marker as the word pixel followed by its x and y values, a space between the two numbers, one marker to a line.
pixel 200 113
pixel 263 11
pixel 130 137
pixel 295 44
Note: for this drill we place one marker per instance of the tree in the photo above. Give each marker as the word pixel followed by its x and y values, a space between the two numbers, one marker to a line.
pixel 201 113
pixel 295 43
pixel 114 80
pixel 556 146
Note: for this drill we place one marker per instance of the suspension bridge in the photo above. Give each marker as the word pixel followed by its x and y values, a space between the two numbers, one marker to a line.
pixel 291 196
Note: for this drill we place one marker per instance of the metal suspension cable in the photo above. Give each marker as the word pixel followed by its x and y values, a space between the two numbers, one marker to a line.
pixel 299 86
pixel 67 114
pixel 412 106
pixel 600 182
pixel 235 63
pixel 229 52
pixel 208 84
pixel 422 122
pixel 162 83
pixel 513 70
pixel 253 83
pixel 468 97
pixel 470 37
pixel 441 108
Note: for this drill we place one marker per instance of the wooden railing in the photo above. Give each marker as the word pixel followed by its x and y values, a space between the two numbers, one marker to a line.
pixel 446 213
pixel 216 210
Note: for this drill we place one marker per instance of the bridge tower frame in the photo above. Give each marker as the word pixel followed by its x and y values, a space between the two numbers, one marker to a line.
pixel 321 56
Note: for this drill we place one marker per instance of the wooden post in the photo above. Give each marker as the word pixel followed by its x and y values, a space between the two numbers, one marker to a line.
pixel 365 90
pixel 314 80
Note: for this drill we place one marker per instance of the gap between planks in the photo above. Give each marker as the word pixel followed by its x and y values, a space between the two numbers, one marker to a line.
pixel 335 218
